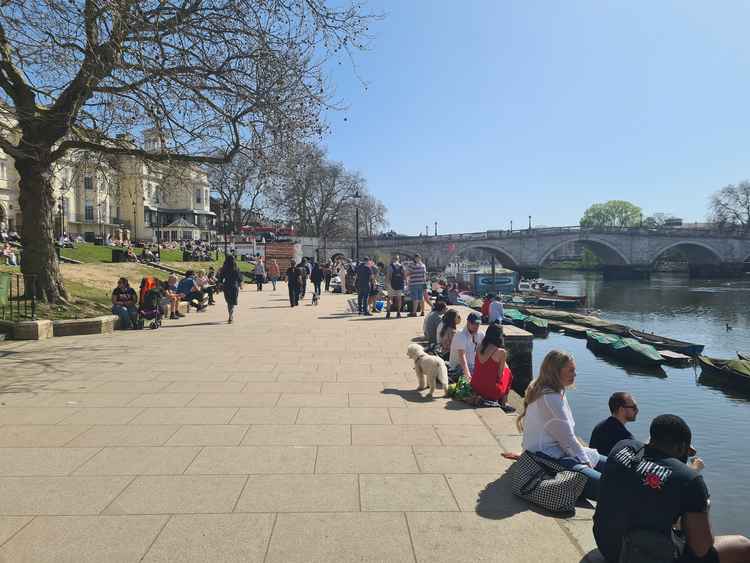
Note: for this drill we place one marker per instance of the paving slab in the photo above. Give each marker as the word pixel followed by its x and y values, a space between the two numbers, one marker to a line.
pixel 40 436
pixel 278 415
pixel 393 435
pixel 162 400
pixel 465 435
pixel 433 416
pixel 161 460
pixel 328 538
pixel 300 493
pixel 235 400
pixel 253 459
pixel 58 495
pixel 208 435
pixel 185 415
pixel 366 459
pixel 225 538
pixel 83 539
pixel 525 538
pixel 175 494
pixel 459 459
pixel 42 461
pixel 312 415
pixel 298 435
pixel 40 415
pixel 406 493
pixel 123 435
pixel 9 525
pixel 102 415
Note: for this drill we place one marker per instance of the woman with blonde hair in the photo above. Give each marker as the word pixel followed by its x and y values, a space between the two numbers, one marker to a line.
pixel 547 421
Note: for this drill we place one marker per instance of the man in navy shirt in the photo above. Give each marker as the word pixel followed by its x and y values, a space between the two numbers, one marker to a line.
pixel 610 431
pixel 647 489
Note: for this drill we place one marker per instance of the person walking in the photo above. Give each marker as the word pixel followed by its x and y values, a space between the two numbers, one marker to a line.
pixel 417 276
pixel 394 280
pixel 363 282
pixel 260 272
pixel 294 282
pixel 230 279
pixel 304 269
pixel 274 273
pixel 327 271
pixel 316 276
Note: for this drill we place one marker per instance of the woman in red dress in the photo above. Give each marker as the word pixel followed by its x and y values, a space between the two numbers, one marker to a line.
pixel 492 377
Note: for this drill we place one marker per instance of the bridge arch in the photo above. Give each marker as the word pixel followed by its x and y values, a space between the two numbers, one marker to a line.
pixel 506 258
pixel 696 252
pixel 607 252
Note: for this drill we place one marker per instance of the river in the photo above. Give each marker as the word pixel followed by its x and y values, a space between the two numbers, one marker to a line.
pixel 694 310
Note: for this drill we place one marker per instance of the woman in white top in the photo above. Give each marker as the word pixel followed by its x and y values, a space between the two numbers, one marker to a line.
pixel 547 421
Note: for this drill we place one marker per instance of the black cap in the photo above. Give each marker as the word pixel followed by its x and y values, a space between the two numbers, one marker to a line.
pixel 474 318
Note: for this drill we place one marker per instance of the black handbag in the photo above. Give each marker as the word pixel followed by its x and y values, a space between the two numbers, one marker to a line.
pixel 547 484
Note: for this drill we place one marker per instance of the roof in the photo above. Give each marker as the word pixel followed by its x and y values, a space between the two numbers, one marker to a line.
pixel 184 223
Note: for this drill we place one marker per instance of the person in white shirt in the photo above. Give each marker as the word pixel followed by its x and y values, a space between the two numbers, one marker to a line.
pixel 464 345
pixel 547 421
pixel 496 311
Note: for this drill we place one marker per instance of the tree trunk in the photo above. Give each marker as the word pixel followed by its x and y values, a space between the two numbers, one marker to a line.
pixel 39 259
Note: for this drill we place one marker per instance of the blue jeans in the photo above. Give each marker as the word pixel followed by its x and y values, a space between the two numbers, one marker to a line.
pixel 594 474
pixel 128 315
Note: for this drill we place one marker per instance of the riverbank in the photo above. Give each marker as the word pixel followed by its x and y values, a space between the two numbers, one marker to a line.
pixel 291 435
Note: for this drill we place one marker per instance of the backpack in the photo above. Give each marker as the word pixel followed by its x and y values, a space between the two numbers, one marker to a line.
pixel 397 277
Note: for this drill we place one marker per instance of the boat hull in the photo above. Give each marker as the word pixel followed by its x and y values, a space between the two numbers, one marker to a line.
pixel 664 343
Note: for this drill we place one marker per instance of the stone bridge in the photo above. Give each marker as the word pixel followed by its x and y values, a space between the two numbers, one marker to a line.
pixel 624 253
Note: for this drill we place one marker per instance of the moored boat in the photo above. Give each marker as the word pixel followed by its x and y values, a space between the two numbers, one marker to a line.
pixel 664 343
pixel 732 371
pixel 627 350
pixel 535 325
pixel 559 302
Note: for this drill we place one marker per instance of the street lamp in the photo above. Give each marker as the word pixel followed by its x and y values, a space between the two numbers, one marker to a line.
pixel 225 209
pixel 356 198
pixel 529 222
pixel 99 207
pixel 435 228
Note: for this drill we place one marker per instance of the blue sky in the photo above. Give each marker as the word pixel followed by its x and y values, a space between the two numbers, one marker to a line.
pixel 481 112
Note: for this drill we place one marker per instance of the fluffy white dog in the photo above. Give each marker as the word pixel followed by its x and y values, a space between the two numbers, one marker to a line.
pixel 429 369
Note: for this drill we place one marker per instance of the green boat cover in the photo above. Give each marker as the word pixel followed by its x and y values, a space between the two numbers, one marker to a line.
pixel 620 345
pixel 740 367
pixel 536 321
pixel 515 315
pixel 583 320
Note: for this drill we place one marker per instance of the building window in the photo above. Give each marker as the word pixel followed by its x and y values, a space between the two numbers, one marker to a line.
pixel 157 197
pixel 89 212
pixel 3 169
pixel 88 183
pixel 198 196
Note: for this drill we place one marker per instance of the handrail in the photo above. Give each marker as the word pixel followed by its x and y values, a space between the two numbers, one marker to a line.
pixel 537 231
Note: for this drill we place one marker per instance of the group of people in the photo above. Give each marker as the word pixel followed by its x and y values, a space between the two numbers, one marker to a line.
pixel 197 289
pixel 9 236
pixel 9 255
pixel 642 490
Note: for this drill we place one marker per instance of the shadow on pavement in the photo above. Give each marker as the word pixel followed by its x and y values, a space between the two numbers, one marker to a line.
pixel 497 501
pixel 207 323
pixel 414 396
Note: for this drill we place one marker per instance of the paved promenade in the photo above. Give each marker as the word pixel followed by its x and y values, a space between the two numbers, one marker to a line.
pixel 293 435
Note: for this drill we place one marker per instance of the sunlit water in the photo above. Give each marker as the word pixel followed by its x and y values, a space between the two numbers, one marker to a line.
pixel 693 310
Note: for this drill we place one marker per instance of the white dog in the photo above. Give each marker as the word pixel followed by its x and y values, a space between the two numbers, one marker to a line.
pixel 429 369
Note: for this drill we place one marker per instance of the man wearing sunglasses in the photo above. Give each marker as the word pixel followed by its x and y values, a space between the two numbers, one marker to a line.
pixel 611 430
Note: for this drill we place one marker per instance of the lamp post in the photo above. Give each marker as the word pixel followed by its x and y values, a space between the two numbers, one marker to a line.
pixel 62 228
pixel 356 197
pixel 529 222
pixel 99 215
pixel 435 228
pixel 225 210
pixel 511 226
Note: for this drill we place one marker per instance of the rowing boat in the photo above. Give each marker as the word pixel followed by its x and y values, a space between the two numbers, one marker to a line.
pixel 664 343
pixel 627 350
pixel 531 323
pixel 733 371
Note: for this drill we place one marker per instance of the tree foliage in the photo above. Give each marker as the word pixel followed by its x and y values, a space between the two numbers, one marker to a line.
pixel 730 206
pixel 207 75
pixel 613 213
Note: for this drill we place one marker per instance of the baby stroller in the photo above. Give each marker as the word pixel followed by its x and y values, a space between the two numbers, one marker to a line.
pixel 149 303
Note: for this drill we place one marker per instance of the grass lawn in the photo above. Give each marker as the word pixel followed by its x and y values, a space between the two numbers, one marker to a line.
pixel 89 253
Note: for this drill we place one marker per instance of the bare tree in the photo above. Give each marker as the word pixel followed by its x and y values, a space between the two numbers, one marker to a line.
pixel 205 74
pixel 240 186
pixel 730 206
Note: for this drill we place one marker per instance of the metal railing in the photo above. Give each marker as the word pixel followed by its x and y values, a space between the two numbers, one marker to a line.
pixel 17 297
pixel 686 231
